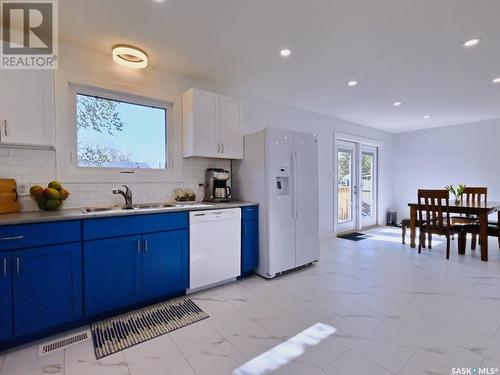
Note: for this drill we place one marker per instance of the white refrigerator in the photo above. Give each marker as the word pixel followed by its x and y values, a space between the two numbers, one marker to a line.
pixel 280 171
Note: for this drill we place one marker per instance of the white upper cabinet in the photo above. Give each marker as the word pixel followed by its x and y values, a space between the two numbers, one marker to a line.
pixel 27 107
pixel 211 125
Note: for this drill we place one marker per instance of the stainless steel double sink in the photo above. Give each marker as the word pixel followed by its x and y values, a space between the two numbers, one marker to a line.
pixel 145 206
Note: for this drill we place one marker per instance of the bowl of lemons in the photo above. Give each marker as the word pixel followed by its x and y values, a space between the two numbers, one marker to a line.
pixel 50 198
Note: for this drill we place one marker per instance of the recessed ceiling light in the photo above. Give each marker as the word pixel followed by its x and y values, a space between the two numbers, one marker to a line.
pixel 352 83
pixel 285 52
pixel 496 80
pixel 130 56
pixel 427 117
pixel 396 104
pixel 472 42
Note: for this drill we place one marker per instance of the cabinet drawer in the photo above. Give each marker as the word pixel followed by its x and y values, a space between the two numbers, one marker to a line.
pixel 40 234
pixel 249 213
pixel 131 225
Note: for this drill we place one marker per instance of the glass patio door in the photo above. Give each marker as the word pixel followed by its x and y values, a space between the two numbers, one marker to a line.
pixel 368 186
pixel 356 186
pixel 346 186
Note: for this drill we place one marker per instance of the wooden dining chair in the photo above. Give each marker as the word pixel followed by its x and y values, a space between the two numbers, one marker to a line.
pixel 471 196
pixel 405 224
pixel 493 230
pixel 434 217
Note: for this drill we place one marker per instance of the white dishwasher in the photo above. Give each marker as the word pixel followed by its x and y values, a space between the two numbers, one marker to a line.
pixel 214 246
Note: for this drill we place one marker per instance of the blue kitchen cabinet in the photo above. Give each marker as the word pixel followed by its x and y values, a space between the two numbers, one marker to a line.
pixel 13 237
pixel 133 225
pixel 47 287
pixel 5 296
pixel 113 273
pixel 249 240
pixel 165 263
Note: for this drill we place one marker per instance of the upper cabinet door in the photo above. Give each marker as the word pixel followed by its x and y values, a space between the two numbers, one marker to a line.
pixel 211 125
pixel 231 139
pixel 27 107
pixel 201 130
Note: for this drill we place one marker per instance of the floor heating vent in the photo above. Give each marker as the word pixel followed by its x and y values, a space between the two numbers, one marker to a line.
pixel 63 342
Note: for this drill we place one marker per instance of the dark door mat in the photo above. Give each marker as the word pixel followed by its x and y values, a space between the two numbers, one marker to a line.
pixel 354 236
pixel 123 331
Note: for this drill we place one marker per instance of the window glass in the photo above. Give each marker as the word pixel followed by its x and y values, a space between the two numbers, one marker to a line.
pixel 118 134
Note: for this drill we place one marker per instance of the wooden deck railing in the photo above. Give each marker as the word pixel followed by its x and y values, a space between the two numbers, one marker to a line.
pixel 344 203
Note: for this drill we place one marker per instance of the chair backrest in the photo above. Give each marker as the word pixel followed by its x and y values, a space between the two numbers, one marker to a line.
pixel 434 209
pixel 475 195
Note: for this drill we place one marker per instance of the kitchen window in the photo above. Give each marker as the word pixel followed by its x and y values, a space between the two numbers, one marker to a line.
pixel 120 134
pixel 109 132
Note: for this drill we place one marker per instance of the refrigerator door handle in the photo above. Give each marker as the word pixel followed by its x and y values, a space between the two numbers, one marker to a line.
pixel 295 186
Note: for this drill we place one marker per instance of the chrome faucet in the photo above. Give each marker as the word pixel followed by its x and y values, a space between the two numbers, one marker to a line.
pixel 127 194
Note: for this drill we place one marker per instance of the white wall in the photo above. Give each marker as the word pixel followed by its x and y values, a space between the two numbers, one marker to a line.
pixel 434 158
pixel 258 113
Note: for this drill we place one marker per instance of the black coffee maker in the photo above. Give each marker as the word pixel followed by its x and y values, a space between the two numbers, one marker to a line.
pixel 217 185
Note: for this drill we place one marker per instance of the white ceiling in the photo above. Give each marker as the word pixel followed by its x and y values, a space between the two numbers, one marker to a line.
pixel 398 50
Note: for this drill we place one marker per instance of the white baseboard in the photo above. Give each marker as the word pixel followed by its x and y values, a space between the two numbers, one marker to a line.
pixel 327 236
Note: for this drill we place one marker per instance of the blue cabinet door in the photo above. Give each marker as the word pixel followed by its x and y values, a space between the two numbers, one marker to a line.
pixel 165 263
pixel 249 246
pixel 47 287
pixel 112 273
pixel 5 296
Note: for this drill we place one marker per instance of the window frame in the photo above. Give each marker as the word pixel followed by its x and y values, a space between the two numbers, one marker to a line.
pixel 67 86
pixel 122 98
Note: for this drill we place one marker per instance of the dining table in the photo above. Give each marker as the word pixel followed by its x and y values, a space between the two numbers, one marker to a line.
pixel 481 210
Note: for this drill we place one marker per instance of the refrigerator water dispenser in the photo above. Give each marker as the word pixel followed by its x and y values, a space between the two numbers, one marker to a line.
pixel 282 182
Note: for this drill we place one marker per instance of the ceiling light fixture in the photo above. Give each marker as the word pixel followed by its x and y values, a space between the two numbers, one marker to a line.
pixel 352 83
pixel 396 104
pixel 472 42
pixel 130 56
pixel 496 80
pixel 427 117
pixel 285 52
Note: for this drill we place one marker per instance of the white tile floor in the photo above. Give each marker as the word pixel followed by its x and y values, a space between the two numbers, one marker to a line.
pixel 395 312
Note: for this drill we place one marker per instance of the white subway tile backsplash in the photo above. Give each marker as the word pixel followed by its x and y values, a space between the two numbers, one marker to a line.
pixel 20 152
pixel 30 167
pixel 87 187
pixel 11 160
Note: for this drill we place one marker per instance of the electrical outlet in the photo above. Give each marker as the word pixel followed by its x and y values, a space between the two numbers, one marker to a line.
pixel 21 189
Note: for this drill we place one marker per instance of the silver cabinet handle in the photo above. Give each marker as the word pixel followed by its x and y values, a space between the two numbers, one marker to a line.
pixel 5 128
pixel 4 267
pixel 11 238
pixel 145 246
pixel 218 147
pixel 138 246
pixel 222 147
pixel 17 266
